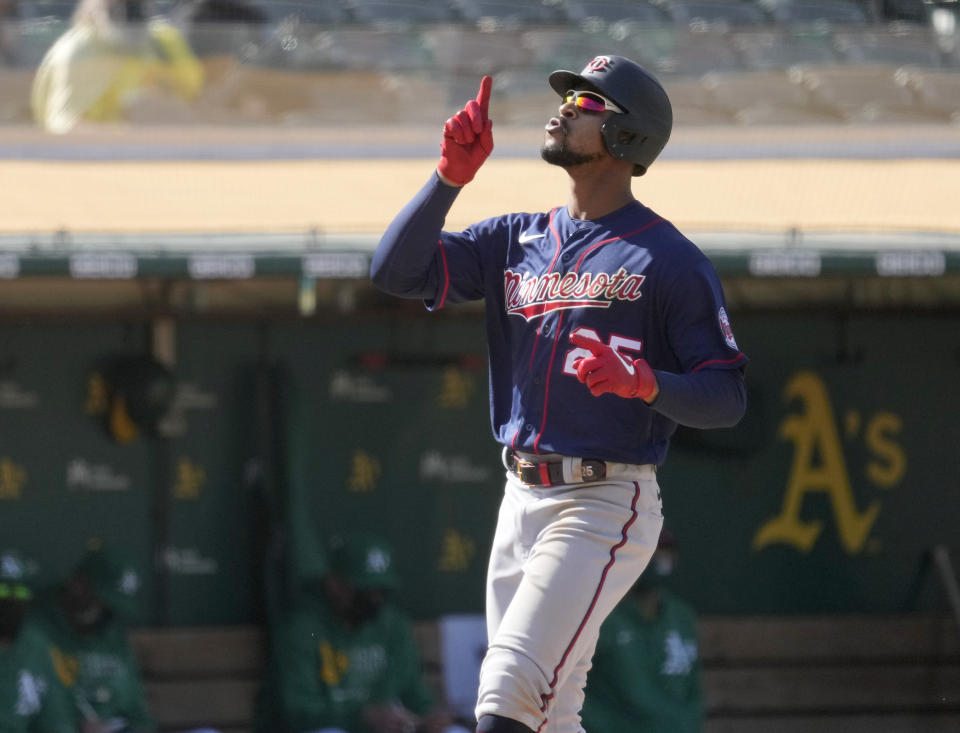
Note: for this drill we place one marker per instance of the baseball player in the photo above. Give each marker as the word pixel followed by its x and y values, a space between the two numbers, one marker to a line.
pixel 86 619
pixel 606 329
pixel 32 698
pixel 344 658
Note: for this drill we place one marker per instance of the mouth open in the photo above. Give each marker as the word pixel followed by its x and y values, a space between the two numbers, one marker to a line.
pixel 555 126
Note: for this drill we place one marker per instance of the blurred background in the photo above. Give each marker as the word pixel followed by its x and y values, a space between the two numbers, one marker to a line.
pixel 194 366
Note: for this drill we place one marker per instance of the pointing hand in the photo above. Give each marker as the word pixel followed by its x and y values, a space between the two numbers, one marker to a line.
pixel 607 371
pixel 467 139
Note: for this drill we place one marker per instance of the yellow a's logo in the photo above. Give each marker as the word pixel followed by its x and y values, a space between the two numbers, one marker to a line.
pixel 13 477
pixel 457 552
pixel 191 478
pixel 814 436
pixel 456 388
pixel 66 666
pixel 364 472
pixel 333 664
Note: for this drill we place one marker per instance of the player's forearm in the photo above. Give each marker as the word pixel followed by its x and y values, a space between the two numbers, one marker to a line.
pixel 406 251
pixel 712 398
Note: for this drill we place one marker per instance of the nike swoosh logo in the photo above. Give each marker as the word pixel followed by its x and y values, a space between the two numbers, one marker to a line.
pixel 524 237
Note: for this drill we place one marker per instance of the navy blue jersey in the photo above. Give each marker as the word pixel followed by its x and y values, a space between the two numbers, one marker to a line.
pixel 629 278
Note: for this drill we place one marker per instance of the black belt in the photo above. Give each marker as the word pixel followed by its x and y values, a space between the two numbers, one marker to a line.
pixel 550 473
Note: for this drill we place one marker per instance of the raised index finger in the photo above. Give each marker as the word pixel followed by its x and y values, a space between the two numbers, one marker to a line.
pixel 483 96
pixel 578 338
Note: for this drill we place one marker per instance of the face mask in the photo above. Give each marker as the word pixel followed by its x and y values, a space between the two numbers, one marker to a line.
pixel 365 606
pixel 657 574
pixel 12 614
pixel 82 607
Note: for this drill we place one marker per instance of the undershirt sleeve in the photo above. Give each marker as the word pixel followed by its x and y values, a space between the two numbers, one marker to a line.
pixel 710 398
pixel 404 259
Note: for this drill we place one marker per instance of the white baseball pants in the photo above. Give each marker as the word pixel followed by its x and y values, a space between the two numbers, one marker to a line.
pixel 562 558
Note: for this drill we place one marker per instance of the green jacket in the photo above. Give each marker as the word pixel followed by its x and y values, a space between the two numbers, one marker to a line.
pixel 32 698
pixel 322 673
pixel 98 667
pixel 646 675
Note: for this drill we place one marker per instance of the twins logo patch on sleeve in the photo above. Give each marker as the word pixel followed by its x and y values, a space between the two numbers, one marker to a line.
pixel 726 329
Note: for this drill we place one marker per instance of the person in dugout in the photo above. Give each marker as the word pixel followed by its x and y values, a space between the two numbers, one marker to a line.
pixel 344 658
pixel 646 673
pixel 85 618
pixel 32 699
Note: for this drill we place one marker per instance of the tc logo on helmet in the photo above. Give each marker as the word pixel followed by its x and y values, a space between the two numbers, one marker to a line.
pixel 600 63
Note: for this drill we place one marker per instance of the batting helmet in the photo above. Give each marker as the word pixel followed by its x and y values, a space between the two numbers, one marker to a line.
pixel 641 132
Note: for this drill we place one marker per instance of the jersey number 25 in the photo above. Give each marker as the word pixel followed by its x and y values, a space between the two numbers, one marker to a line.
pixel 628 349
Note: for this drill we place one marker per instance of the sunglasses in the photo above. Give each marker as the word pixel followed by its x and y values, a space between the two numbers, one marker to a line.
pixel 9 591
pixel 590 101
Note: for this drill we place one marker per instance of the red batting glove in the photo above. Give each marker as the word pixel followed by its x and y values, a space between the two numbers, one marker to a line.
pixel 467 139
pixel 607 371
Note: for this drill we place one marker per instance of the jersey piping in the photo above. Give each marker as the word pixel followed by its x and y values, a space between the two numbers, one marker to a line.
pixel 446 274
pixel 739 356
pixel 547 697
pixel 553 262
pixel 556 337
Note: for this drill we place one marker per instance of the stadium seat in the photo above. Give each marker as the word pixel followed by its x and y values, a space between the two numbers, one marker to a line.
pixel 458 50
pixel 780 49
pixel 716 13
pixel 230 28
pixel 370 49
pixel 37 9
pixel 568 48
pixel 691 103
pixel 591 13
pixel 396 15
pixel 760 98
pixel 523 98
pixel 647 43
pixel 859 94
pixel 231 12
pixel 802 12
pixel 508 14
pixel 697 52
pixel 323 12
pixel 31 28
pixel 894 44
pixel 913 11
pixel 162 7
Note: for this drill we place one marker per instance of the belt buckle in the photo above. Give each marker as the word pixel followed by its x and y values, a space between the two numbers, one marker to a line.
pixel 523 464
pixel 523 469
pixel 529 472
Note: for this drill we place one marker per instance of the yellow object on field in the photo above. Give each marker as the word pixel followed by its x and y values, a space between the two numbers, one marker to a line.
pixel 93 75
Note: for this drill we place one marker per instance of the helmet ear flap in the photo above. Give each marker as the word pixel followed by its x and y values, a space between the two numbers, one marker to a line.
pixel 623 143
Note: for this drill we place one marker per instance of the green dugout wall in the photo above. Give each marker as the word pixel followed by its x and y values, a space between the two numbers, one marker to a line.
pixel 826 498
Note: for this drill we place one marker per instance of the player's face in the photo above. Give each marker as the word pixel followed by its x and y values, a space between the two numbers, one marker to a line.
pixel 81 603
pixel 573 137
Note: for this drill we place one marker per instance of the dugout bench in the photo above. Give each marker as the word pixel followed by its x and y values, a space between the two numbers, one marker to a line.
pixel 824 674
